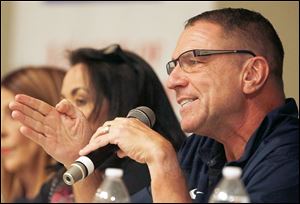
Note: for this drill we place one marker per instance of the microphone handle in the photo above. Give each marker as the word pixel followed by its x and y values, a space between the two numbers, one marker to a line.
pixel 102 154
pixel 85 165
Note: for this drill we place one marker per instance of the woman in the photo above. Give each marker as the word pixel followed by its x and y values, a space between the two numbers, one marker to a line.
pixel 23 162
pixel 109 83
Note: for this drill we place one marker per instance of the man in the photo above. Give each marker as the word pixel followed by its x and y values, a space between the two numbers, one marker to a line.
pixel 227 75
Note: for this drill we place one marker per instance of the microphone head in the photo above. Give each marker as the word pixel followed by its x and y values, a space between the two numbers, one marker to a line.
pixel 144 114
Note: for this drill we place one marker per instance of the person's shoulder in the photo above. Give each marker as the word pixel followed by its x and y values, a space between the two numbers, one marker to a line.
pixel 279 131
pixel 274 151
pixel 279 148
pixel 282 140
pixel 275 178
pixel 283 120
pixel 272 174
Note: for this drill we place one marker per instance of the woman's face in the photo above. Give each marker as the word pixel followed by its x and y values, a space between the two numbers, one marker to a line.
pixel 17 151
pixel 77 89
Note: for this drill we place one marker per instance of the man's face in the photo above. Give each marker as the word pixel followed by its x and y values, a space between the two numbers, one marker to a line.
pixel 210 94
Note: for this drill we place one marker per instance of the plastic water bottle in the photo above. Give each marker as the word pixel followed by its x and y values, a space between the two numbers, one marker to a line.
pixel 230 189
pixel 112 189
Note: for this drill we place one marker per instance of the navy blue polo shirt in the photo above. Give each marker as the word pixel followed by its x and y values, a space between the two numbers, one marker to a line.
pixel 270 162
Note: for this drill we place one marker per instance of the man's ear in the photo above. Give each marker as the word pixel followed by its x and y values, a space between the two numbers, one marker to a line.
pixel 255 74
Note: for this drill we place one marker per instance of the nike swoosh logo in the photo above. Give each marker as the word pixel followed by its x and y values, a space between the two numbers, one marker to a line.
pixel 194 192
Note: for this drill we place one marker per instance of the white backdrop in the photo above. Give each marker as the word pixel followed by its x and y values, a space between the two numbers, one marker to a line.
pixel 41 32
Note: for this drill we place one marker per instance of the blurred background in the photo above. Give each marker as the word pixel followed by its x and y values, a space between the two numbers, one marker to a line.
pixel 35 33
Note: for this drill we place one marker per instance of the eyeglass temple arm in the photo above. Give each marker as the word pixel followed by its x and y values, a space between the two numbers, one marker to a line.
pixel 211 52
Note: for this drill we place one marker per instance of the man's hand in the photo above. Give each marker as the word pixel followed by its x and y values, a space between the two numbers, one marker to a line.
pixel 142 144
pixel 135 139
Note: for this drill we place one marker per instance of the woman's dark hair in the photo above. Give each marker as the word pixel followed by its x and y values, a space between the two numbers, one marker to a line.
pixel 127 81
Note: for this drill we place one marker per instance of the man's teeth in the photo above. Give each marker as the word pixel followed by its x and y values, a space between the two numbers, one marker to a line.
pixel 184 102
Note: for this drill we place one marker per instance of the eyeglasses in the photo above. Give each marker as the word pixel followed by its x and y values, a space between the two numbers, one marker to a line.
pixel 190 60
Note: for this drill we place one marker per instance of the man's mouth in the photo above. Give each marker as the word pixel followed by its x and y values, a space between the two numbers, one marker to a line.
pixel 186 102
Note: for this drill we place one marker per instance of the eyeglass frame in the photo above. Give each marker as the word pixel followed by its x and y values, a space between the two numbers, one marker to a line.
pixel 203 52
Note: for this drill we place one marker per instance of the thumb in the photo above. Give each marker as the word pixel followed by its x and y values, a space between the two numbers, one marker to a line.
pixel 66 107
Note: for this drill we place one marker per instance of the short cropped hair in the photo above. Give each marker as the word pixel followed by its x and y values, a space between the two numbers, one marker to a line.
pixel 253 32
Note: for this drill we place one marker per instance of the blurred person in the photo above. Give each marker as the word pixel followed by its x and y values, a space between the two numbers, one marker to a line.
pixel 226 71
pixel 109 83
pixel 24 164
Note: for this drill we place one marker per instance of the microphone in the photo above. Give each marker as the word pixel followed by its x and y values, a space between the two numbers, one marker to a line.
pixel 85 165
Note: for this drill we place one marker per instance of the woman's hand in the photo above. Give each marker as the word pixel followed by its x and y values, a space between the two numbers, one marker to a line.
pixel 62 130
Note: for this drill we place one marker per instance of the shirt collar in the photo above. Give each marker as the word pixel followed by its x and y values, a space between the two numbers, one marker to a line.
pixel 289 109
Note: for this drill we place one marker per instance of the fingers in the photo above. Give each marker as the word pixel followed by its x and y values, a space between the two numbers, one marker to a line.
pixel 34 103
pixel 33 135
pixel 93 146
pixel 96 140
pixel 26 111
pixel 28 121
pixel 87 149
pixel 66 107
pixel 100 131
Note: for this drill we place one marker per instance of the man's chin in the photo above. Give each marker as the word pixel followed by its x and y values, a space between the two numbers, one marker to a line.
pixel 187 128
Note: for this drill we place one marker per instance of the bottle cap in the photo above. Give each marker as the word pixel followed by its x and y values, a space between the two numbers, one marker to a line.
pixel 232 172
pixel 114 172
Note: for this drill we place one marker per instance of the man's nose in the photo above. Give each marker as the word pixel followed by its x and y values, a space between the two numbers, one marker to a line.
pixel 176 78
